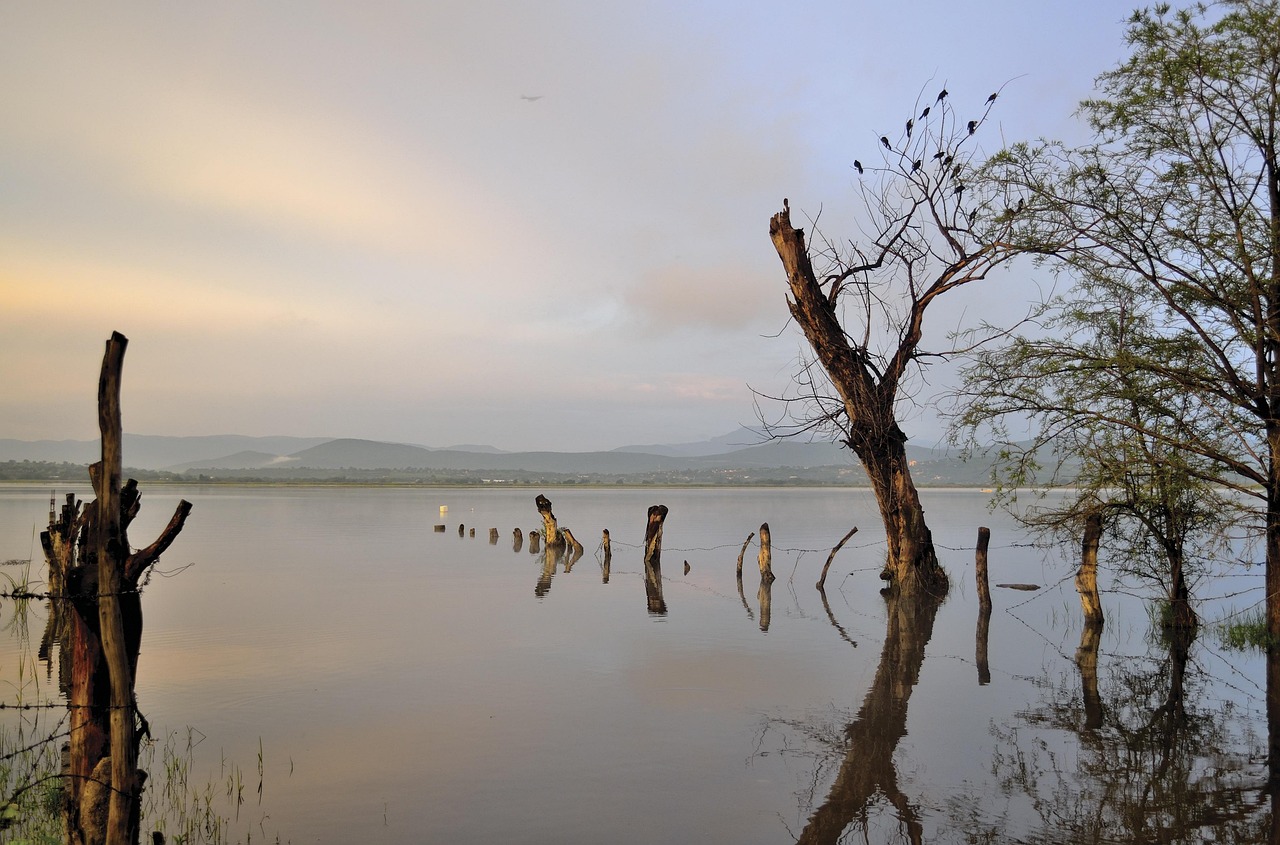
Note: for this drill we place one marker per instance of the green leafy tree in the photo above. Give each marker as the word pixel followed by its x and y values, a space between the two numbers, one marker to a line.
pixel 1170 224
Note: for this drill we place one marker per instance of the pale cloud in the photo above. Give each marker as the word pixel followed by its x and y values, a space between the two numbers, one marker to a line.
pixel 722 298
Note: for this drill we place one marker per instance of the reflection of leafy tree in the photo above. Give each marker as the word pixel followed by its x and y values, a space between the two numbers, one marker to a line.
pixel 1160 765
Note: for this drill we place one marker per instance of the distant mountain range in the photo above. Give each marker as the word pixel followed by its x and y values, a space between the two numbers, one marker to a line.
pixel 743 456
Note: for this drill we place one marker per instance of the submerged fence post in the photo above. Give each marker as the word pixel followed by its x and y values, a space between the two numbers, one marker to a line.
pixel 983 634
pixel 823 580
pixel 980 567
pixel 1087 575
pixel 743 553
pixel 766 554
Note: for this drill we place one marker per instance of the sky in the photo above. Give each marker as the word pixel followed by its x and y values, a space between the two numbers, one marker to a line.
pixel 532 225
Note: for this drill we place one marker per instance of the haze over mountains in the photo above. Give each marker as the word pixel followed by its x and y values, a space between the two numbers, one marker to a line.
pixel 725 459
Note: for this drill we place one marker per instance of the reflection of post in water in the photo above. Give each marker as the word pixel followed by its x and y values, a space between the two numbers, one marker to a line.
pixel 1087 662
pixel 98 622
pixel 607 560
pixel 984 606
pixel 873 736
pixel 765 596
pixel 550 560
pixel 653 560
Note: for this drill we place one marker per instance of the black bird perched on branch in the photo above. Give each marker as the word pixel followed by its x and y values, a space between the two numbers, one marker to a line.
pixel 916 165
pixel 924 113
pixel 910 123
pixel 884 139
pixel 857 165
pixel 959 190
pixel 992 98
pixel 939 154
pixel 942 95
pixel 973 124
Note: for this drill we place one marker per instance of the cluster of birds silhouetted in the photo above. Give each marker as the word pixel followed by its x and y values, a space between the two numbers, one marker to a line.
pixel 946 157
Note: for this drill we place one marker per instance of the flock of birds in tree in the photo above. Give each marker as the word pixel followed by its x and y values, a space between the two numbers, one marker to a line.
pixel 942 154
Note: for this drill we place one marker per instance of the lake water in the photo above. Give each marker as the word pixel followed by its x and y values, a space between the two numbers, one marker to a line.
pixel 406 685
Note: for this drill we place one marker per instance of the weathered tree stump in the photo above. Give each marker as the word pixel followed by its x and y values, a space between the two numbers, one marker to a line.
pixel 462 530
pixel 517 541
pixel 98 614
pixel 605 564
pixel 439 528
pixel 534 540
pixel 766 554
pixel 1087 575
pixel 493 536
pixel 550 530
pixel 980 567
pixel 653 560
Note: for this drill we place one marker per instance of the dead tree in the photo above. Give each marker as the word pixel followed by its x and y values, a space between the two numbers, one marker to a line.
pixel 550 530
pixel 95 576
pixel 934 227
pixel 653 560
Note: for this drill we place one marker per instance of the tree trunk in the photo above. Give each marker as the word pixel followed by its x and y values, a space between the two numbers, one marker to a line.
pixel 911 566
pixel 98 624
pixel 1087 575
pixel 653 560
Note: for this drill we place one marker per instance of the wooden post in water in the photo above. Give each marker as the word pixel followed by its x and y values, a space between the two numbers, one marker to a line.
pixel 462 530
pixel 823 580
pixel 517 541
pixel 766 554
pixel 653 559
pixel 550 531
pixel 980 567
pixel 983 634
pixel 742 554
pixel 534 538
pixel 97 617
pixel 606 563
pixel 1087 575
pixel 493 536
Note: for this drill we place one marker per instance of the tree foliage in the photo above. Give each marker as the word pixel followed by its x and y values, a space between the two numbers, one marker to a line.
pixel 1161 363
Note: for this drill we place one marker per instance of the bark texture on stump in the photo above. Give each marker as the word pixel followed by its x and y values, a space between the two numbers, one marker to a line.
pixel 550 530
pixel 96 617
pixel 653 560
pixel 1087 574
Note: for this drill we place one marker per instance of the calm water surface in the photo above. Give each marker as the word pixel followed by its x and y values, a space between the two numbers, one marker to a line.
pixel 406 685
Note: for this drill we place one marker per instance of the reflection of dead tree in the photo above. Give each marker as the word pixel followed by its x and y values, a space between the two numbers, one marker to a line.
pixel 99 620
pixel 765 596
pixel 871 739
pixel 653 560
